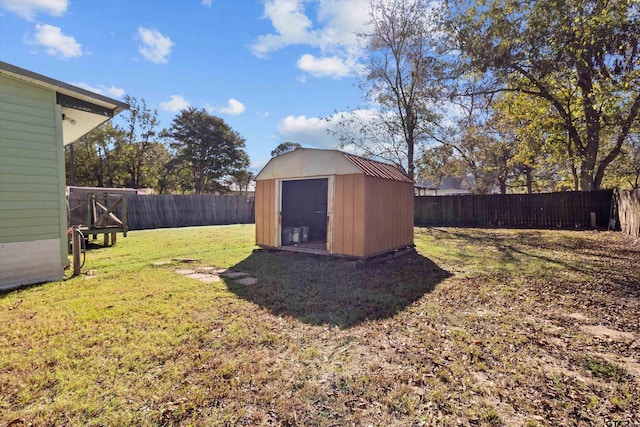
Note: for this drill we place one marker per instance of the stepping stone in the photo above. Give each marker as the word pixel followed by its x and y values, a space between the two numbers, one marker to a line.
pixel 163 262
pixel 205 278
pixel 233 274
pixel 185 271
pixel 247 281
pixel 209 270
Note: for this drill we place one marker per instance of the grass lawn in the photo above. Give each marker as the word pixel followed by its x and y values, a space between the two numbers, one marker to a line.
pixel 479 327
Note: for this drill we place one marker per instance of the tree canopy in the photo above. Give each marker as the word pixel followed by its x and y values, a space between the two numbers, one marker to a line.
pixel 203 154
pixel 284 148
pixel 402 77
pixel 582 57
pixel 211 148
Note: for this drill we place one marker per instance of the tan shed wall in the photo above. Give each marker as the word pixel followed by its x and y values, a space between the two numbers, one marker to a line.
pixel 348 215
pixel 389 215
pixel 266 213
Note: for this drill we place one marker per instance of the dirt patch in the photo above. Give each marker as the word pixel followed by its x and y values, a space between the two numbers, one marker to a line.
pixel 607 333
pixel 579 317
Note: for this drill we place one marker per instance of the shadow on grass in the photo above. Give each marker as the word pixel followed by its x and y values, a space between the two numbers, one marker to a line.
pixel 604 258
pixel 322 290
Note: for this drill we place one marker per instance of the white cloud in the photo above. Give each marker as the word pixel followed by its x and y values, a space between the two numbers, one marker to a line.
pixel 114 92
pixel 338 22
pixel 56 43
pixel 28 9
pixel 155 46
pixel 308 131
pixel 206 2
pixel 333 33
pixel 290 22
pixel 233 108
pixel 316 131
pixel 175 104
pixel 324 67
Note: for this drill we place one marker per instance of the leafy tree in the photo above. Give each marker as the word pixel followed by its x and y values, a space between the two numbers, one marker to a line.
pixel 402 78
pixel 209 146
pixel 582 57
pixel 242 179
pixel 438 162
pixel 284 148
pixel 626 168
pixel 138 151
pixel 95 163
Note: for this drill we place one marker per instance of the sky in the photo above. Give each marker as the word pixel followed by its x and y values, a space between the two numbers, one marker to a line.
pixel 274 70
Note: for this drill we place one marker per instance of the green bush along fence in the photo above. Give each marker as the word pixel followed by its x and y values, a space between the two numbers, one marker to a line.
pixel 543 210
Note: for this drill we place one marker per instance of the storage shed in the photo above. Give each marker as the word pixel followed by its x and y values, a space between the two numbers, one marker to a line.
pixel 38 116
pixel 331 202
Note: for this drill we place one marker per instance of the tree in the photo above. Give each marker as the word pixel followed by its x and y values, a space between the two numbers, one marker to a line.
pixel 626 170
pixel 209 146
pixel 582 57
pixel 242 179
pixel 284 148
pixel 438 162
pixel 95 163
pixel 402 78
pixel 138 150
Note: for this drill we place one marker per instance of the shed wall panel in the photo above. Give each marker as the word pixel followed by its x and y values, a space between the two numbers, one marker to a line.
pixel 348 212
pixel 265 213
pixel 389 215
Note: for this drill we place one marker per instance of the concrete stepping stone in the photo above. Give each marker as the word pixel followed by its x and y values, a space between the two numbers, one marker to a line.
pixel 247 281
pixel 205 278
pixel 233 274
pixel 185 271
pixel 208 270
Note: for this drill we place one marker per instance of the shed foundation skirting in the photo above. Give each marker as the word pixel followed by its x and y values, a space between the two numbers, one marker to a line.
pixel 400 250
pixel 29 262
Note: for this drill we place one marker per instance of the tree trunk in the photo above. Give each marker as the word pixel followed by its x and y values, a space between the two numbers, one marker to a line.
pixel 503 185
pixel 529 180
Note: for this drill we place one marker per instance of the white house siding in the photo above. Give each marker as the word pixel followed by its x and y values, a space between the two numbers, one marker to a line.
pixel 29 262
pixel 32 204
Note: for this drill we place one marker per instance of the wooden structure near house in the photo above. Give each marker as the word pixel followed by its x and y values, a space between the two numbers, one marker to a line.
pixel 629 211
pixel 96 211
pixel 334 203
pixel 38 117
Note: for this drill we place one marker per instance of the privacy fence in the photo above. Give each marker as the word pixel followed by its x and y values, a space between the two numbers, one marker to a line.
pixel 166 211
pixel 545 210
pixel 629 211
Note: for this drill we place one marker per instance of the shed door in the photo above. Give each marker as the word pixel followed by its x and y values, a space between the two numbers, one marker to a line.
pixel 304 204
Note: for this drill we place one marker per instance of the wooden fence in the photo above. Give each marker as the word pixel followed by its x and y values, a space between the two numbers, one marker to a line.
pixel 544 210
pixel 629 211
pixel 167 211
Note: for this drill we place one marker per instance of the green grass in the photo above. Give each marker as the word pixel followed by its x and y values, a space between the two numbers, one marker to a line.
pixel 473 328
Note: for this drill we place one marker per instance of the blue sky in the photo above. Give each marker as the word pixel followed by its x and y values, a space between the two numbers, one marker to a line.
pixel 271 69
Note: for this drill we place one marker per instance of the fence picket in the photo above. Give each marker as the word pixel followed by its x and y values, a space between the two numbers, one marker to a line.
pixel 547 210
pixel 166 210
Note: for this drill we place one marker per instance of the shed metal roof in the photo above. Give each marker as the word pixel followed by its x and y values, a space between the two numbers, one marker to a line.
pixel 311 162
pixel 377 169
